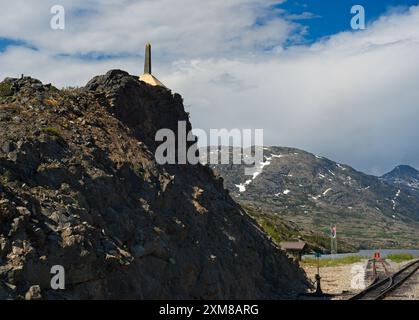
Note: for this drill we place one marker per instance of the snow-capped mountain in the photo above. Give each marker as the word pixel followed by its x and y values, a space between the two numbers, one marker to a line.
pixel 315 192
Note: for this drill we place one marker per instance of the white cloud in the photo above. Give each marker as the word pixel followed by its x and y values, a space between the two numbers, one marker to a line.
pixel 185 28
pixel 353 97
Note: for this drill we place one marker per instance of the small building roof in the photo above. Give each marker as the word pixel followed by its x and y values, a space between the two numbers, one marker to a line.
pixel 293 245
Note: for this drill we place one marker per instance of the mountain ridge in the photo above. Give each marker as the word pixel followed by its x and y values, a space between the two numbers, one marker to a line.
pixel 403 176
pixel 315 192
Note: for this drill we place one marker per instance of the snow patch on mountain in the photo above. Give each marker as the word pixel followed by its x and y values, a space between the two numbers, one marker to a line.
pixel 258 171
pixel 327 191
pixel 340 166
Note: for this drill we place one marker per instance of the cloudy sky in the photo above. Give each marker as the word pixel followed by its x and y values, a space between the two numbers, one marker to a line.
pixel 294 68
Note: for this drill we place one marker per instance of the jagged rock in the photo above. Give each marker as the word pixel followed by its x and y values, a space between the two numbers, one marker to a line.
pixel 4 247
pixel 7 210
pixel 8 146
pixel 34 293
pixel 138 251
pixel 4 292
pixel 23 211
pixel 87 194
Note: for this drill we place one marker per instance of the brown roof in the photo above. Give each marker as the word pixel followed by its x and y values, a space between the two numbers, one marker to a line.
pixel 293 245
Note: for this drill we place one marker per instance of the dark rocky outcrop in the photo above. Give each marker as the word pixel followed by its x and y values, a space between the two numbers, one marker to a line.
pixel 79 187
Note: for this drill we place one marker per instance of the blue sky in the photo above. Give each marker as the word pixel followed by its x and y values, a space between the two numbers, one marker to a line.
pixel 4 43
pixel 331 16
pixel 309 83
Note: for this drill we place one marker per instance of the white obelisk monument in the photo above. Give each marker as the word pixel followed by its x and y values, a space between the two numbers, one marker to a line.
pixel 147 77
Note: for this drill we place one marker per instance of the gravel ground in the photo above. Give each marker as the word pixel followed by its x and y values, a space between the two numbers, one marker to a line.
pixel 340 281
pixel 335 280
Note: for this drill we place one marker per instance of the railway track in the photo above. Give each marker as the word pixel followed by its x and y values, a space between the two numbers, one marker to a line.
pixel 377 270
pixel 382 288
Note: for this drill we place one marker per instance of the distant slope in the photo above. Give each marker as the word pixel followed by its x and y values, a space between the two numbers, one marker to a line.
pixel 314 192
pixel 403 176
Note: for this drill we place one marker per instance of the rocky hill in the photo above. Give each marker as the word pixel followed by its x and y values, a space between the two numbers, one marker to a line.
pixel 79 187
pixel 403 177
pixel 295 187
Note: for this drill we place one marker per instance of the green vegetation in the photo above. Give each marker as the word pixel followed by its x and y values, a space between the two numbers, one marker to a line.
pixel 273 225
pixel 5 89
pixel 400 257
pixel 52 131
pixel 281 230
pixel 333 262
pixel 271 230
pixel 318 241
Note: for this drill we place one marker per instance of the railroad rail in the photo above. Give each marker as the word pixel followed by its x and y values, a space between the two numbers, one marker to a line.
pixel 382 288
pixel 373 272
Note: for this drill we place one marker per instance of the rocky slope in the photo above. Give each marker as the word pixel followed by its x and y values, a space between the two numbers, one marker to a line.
pixel 79 187
pixel 403 177
pixel 312 192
